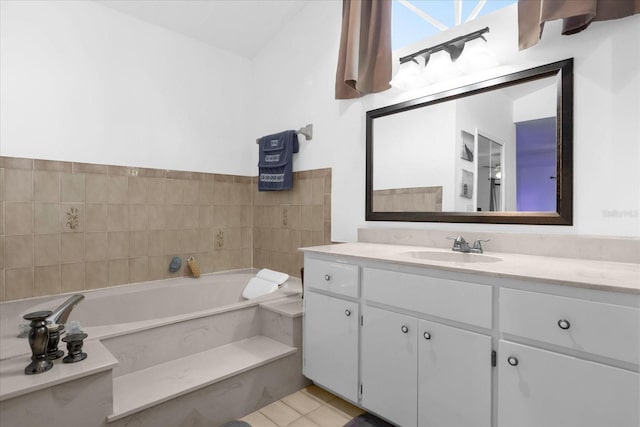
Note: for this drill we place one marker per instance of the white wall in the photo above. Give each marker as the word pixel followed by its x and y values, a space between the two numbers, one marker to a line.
pixel 82 82
pixel 295 75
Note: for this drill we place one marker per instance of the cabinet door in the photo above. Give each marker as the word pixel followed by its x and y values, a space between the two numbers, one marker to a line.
pixel 389 365
pixel 454 377
pixel 330 343
pixel 542 388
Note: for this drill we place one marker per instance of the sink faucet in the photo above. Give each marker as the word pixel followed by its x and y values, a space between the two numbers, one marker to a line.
pixel 61 314
pixel 461 245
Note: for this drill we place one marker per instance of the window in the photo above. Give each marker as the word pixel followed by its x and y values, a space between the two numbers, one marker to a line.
pixel 414 20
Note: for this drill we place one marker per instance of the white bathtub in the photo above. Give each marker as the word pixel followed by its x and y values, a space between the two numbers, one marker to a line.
pixel 110 312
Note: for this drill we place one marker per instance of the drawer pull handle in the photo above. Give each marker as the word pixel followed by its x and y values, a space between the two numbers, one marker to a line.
pixel 564 324
pixel 327 277
pixel 512 360
pixel 347 312
pixel 404 329
pixel 427 336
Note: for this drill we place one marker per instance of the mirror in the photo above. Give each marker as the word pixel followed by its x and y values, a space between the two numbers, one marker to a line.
pixel 497 151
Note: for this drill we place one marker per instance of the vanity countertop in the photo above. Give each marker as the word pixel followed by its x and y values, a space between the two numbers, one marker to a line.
pixel 584 273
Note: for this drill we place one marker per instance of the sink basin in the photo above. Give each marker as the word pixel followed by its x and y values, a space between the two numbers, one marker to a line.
pixel 456 257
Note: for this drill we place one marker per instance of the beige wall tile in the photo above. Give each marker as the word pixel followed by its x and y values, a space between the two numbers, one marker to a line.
pixel 117 217
pixel 18 185
pixel 206 216
pixel 192 192
pixel 16 163
pixel 72 277
pixel 306 191
pixel 118 244
pixel 158 267
pixel 317 217
pixel 96 245
pixel 138 189
pixel 327 207
pixel 221 215
pixel 173 217
pixel 18 218
pixel 138 269
pixel 96 217
pixel 205 261
pixel 72 217
pixel 72 187
pixel 118 189
pixel 220 192
pixel 306 217
pixel 96 274
pixel 47 186
pixel 138 243
pixel 72 247
pixel 2 293
pixel 206 192
pixel 138 217
pixel 47 250
pixel 205 240
pixel 246 215
pixel 191 216
pixel 1 252
pixel 172 242
pixel 175 191
pixel 90 168
pixel 52 165
pixel 18 251
pixel 156 242
pixel 190 240
pixel 317 190
pixel 47 280
pixel 47 219
pixel 118 272
pixel 18 283
pixel 157 189
pixel 247 237
pixel 235 215
pixel 156 217
pixel 96 188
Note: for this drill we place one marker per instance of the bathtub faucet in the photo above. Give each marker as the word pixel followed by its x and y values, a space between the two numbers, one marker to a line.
pixel 61 314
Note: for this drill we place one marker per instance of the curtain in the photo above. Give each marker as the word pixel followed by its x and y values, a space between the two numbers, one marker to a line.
pixel 576 15
pixel 364 59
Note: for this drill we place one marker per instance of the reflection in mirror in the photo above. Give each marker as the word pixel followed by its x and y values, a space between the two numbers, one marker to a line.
pixel 497 151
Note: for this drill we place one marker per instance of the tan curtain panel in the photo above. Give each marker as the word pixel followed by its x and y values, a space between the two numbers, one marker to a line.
pixel 576 15
pixel 364 61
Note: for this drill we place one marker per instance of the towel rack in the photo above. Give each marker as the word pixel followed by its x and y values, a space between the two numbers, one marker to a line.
pixel 307 131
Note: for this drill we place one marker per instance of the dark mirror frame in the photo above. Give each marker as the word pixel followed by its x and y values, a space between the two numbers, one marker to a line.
pixel 563 70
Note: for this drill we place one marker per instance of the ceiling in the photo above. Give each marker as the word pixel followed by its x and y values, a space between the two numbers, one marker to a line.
pixel 242 27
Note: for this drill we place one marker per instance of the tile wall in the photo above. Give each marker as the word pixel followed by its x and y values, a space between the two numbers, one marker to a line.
pixel 287 220
pixel 68 227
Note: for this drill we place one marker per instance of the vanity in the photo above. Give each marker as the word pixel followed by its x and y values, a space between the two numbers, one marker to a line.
pixel 424 336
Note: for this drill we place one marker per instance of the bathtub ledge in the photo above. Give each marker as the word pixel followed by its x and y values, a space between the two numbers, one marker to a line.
pixel 149 387
pixel 15 383
pixel 290 307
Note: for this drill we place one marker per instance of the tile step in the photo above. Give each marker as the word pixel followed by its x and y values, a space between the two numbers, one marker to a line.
pixel 143 389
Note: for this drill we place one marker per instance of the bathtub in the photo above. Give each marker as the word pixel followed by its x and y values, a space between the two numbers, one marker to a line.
pixel 119 310
pixel 153 326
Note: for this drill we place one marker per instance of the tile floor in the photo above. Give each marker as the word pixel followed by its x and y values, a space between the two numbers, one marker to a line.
pixel 309 407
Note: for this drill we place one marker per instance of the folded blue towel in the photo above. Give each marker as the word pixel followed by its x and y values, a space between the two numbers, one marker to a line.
pixel 275 164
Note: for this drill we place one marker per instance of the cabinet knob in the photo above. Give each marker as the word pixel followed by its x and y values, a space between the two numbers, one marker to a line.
pixel 327 277
pixel 512 360
pixel 427 336
pixel 404 329
pixel 347 312
pixel 564 324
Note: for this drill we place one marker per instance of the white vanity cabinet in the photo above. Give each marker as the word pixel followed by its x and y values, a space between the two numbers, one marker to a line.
pixel 418 372
pixel 540 385
pixel 331 326
pixel 426 347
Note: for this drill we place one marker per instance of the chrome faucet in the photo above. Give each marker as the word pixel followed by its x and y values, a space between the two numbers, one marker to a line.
pixel 461 245
pixel 61 314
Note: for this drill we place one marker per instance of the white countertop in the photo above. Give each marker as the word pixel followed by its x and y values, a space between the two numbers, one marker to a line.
pixel 590 274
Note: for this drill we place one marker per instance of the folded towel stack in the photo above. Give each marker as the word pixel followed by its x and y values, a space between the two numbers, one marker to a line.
pixel 265 282
pixel 275 164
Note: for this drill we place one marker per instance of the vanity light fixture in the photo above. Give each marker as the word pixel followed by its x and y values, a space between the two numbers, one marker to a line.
pixel 409 74
pixel 453 47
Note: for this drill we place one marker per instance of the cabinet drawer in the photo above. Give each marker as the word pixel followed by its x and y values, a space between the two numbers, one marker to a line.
pixel 598 328
pixel 450 299
pixel 333 277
